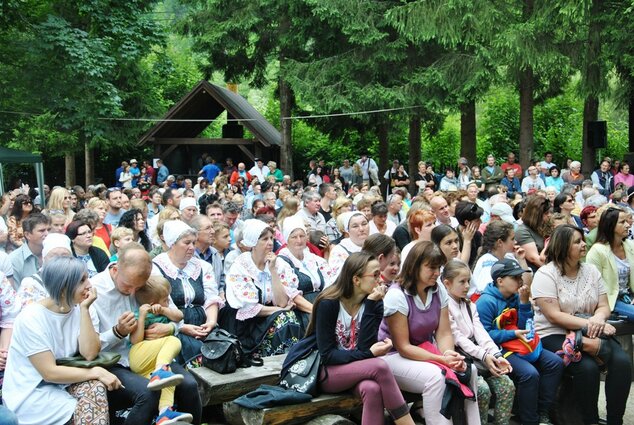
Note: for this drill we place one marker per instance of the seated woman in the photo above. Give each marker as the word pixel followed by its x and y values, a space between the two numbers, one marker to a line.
pixel 133 219
pixel 613 254
pixel 571 297
pixel 303 273
pixel 417 321
pixel 345 322
pixel 58 326
pixel 194 289
pixel 261 310
pixel 81 236
pixel 355 224
pixel 421 223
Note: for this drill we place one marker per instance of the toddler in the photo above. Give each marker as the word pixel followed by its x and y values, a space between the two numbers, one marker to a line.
pixel 152 358
pixel 120 237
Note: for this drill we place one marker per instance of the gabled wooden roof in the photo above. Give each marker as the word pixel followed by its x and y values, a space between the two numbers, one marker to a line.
pixel 207 101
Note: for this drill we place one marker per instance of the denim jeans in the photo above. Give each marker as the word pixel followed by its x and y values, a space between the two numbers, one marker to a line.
pixel 7 417
pixel 144 403
pixel 536 384
pixel 625 309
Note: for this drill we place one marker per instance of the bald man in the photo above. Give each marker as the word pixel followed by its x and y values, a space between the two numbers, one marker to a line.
pixel 440 208
pixel 112 315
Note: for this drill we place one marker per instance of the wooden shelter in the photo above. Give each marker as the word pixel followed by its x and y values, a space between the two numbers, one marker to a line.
pixel 176 137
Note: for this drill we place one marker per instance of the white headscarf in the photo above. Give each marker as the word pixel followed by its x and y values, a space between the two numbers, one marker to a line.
pixel 290 224
pixel 251 232
pixel 347 216
pixel 173 230
pixel 55 240
pixel 187 202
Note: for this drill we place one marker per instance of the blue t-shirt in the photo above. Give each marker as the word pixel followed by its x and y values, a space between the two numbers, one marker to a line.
pixel 211 171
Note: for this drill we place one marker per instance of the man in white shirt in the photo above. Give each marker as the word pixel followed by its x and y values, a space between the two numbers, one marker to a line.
pixel 369 168
pixel 259 170
pixel 440 208
pixel 113 317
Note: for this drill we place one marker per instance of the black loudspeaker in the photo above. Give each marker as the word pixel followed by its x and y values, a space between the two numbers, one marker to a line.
pixel 598 134
pixel 232 131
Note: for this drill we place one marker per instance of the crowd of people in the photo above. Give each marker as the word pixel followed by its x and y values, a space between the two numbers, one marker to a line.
pixel 483 283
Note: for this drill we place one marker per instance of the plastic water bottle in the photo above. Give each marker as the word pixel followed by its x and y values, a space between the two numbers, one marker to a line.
pixel 530 327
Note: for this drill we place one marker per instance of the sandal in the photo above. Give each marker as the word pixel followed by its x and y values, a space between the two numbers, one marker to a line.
pixel 256 359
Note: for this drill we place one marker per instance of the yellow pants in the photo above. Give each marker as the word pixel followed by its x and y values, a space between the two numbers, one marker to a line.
pixel 149 355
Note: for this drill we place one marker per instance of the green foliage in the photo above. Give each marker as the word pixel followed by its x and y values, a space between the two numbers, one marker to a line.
pixel 443 149
pixel 498 124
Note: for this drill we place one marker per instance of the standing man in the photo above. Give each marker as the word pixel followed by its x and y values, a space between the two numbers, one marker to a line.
pixel 259 170
pixel 346 172
pixel 229 167
pixel 150 171
pixel 510 163
pixel 328 195
pixel 369 168
pixel 112 316
pixel 162 174
pixel 115 210
pixel 210 170
pixel 240 172
pixel 389 177
pixel 135 172
pixel 27 259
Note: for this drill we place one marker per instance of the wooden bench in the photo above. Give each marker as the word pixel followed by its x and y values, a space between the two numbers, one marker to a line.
pixel 330 404
pixel 624 331
pixel 216 388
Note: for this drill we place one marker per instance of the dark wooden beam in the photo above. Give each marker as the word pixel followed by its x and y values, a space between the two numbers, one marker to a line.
pixel 198 141
pixel 168 151
pixel 247 152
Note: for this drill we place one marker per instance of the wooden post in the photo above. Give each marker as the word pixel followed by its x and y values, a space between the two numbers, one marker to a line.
pixel 69 176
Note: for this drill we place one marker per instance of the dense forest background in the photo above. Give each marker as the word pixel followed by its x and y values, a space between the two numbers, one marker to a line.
pixel 80 80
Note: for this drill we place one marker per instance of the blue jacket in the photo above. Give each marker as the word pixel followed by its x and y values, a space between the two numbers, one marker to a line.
pixel 491 304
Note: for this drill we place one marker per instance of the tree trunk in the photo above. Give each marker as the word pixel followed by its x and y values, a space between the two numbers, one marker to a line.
pixel 89 163
pixel 630 120
pixel 69 176
pixel 593 84
pixel 286 150
pixel 590 113
pixel 526 117
pixel 384 147
pixel 468 131
pixel 414 139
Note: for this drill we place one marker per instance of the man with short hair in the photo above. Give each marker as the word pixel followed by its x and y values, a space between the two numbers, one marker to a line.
pixel 310 213
pixel 440 208
pixel 547 163
pixel 369 169
pixel 27 259
pixel 511 164
pixel 492 174
pixel 328 195
pixel 115 210
pixel 394 207
pixel 150 171
pixel 210 170
pixel 172 197
pixel 135 172
pixel 259 170
pixel 112 315
pixel 602 179
pixel 379 222
pixel 231 211
pixel 229 167
pixel 162 173
pixel 214 212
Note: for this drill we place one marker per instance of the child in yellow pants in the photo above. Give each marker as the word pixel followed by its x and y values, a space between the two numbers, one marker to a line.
pixel 152 358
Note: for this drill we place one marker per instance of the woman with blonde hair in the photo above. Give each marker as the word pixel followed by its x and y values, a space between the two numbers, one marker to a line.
pixel 60 201
pixel 290 208
pixel 340 206
pixel 101 229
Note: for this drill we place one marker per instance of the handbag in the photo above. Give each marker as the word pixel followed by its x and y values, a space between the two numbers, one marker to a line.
pixel 303 374
pixel 105 359
pixel 222 351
